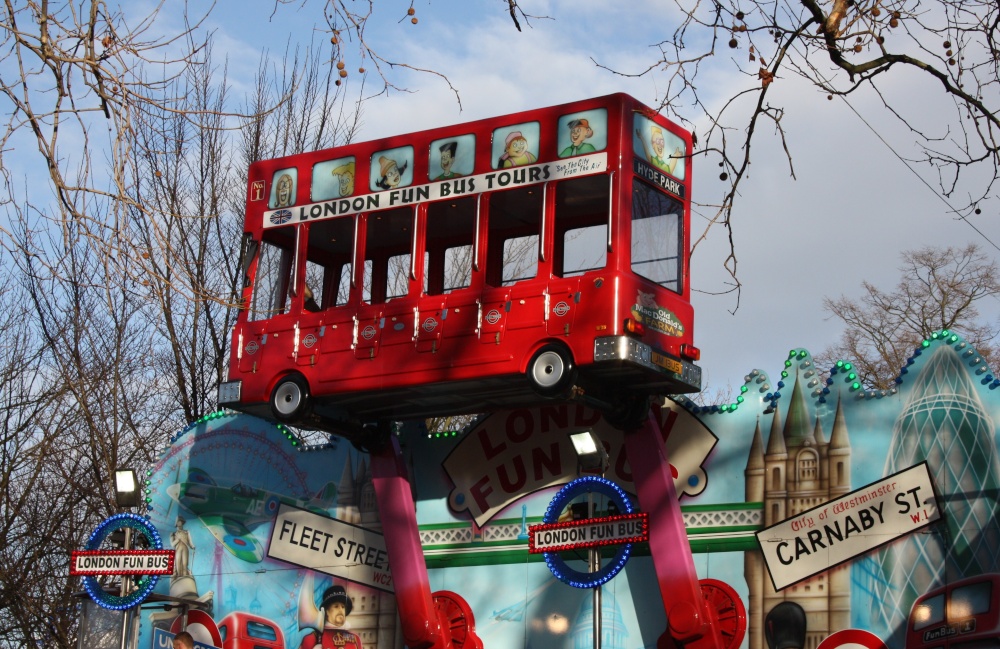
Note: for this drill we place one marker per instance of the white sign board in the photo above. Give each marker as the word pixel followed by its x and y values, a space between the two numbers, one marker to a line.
pixel 838 530
pixel 331 546
pixel 589 533
pixel 121 562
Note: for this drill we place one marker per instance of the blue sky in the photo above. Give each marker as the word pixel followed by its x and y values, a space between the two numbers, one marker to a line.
pixel 851 210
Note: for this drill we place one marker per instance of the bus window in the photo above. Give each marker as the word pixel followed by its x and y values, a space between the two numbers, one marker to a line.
pixel 928 612
pixel 328 261
pixel 274 266
pixel 656 236
pixel 581 237
pixel 451 234
pixel 970 600
pixel 388 249
pixel 515 219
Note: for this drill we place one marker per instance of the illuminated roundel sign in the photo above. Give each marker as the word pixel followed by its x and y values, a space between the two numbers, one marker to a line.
pixel 622 530
pixel 145 584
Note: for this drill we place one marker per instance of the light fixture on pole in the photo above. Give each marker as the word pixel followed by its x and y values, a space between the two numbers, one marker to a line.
pixel 590 452
pixel 126 488
pixel 592 458
pixel 127 496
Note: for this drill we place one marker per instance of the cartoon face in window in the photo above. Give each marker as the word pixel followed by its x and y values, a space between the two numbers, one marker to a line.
pixel 389 173
pixel 391 168
pixel 516 146
pixel 516 151
pixel 333 179
pixel 283 191
pixel 582 133
pixel 345 179
pixel 662 149
pixel 452 157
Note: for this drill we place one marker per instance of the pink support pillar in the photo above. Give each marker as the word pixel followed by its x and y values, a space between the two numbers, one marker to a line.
pixel 690 621
pixel 417 613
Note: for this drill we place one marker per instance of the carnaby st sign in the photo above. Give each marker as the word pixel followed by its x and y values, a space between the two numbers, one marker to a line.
pixel 838 530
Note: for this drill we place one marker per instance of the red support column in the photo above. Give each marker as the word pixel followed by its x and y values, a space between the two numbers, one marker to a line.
pixel 690 621
pixel 417 613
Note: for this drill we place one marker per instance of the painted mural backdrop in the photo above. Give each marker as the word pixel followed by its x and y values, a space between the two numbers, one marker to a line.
pixel 870 517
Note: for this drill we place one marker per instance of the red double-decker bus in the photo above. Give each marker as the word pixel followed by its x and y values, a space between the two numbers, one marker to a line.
pixel 537 255
pixel 964 613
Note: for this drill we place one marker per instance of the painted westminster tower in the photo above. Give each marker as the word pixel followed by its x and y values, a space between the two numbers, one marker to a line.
pixel 797 471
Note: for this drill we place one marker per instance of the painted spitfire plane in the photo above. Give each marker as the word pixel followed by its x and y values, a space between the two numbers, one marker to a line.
pixel 230 513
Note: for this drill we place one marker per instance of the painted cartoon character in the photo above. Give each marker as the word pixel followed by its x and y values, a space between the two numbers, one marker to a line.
pixel 390 173
pixel 345 176
pixel 448 150
pixel 283 191
pixel 656 139
pixel 336 606
pixel 579 130
pixel 516 152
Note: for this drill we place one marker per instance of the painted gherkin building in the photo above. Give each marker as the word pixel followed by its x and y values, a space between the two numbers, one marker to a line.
pixel 944 423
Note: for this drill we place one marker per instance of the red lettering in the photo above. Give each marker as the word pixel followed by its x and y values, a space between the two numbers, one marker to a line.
pixel 490 451
pixel 552 463
pixel 557 416
pixel 480 491
pixel 527 428
pixel 584 416
pixel 512 486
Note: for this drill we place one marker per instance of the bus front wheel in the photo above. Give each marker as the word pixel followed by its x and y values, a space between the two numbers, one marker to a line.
pixel 551 371
pixel 290 399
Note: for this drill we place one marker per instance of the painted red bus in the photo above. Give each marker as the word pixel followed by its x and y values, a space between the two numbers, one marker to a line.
pixel 241 630
pixel 538 255
pixel 964 613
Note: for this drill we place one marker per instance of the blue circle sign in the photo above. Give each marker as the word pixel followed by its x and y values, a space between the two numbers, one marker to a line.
pixel 579 487
pixel 145 584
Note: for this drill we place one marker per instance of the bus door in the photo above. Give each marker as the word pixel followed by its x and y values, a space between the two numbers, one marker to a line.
pixel 269 328
pixel 513 299
pixel 580 249
pixel 448 307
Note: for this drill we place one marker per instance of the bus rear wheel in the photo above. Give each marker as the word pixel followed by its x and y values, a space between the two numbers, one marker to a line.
pixel 551 371
pixel 290 399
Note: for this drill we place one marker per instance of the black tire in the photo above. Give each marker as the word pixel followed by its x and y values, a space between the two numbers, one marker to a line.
pixel 551 371
pixel 291 400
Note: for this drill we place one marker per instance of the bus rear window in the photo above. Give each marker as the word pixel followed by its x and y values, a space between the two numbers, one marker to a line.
pixel 581 239
pixel 388 249
pixel 274 270
pixel 328 261
pixel 451 234
pixel 515 221
pixel 656 236
pixel 928 612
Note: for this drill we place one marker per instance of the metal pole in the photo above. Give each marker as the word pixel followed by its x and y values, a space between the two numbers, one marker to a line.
pixel 595 566
pixel 126 589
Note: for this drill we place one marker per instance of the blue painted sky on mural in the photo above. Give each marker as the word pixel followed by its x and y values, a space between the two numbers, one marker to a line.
pixel 852 209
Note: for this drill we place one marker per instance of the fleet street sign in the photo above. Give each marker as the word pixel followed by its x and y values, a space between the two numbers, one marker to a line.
pixel 331 546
